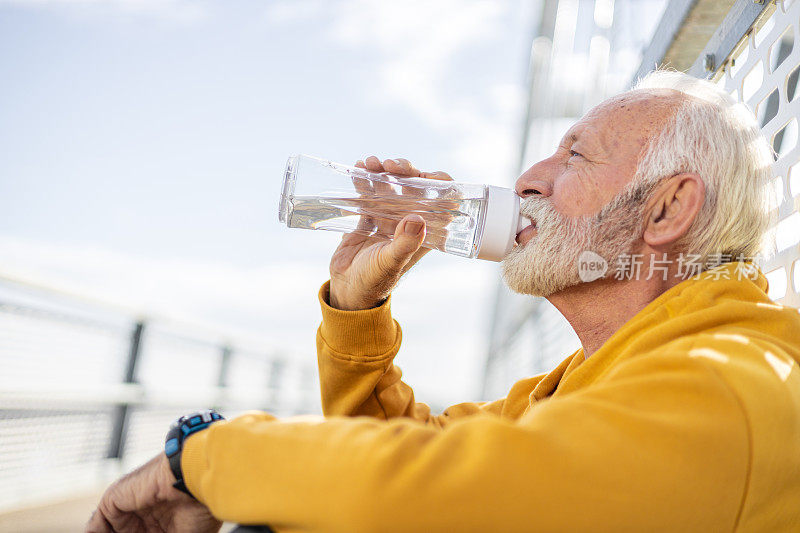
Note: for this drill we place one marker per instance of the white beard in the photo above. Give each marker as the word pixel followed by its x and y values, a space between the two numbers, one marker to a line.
pixel 548 263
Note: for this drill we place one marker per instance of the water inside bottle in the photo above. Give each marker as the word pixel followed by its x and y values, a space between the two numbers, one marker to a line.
pixel 451 222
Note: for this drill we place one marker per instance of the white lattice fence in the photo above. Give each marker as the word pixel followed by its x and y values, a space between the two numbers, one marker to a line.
pixel 763 75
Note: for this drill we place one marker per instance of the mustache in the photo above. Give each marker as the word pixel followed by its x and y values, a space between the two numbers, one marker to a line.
pixel 533 207
pixel 542 212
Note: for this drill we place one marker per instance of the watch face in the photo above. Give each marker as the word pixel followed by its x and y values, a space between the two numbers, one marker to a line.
pixel 187 425
pixel 198 421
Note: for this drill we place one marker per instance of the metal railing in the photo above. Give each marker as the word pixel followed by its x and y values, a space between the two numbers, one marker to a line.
pixel 88 389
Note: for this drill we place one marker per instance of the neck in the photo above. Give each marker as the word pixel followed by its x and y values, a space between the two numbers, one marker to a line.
pixel 598 309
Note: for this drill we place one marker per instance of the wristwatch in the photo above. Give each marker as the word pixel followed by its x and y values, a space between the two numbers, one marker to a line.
pixel 179 431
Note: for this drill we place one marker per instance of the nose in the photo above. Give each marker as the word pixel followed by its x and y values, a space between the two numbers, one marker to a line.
pixel 530 183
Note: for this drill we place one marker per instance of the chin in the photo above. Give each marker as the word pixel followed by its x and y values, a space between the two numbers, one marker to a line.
pixel 526 272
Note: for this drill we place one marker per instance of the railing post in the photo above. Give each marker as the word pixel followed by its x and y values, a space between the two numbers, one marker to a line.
pixel 276 369
pixel 224 366
pixel 119 430
pixel 222 375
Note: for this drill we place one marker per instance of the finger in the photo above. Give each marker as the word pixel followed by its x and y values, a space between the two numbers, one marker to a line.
pixel 386 224
pixel 387 203
pixel 366 225
pixel 408 237
pixel 436 176
pixel 415 258
pixel 401 166
pixel 98 524
pixel 365 190
pixel 446 203
pixel 373 164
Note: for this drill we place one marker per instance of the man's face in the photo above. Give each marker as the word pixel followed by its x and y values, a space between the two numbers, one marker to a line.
pixel 574 197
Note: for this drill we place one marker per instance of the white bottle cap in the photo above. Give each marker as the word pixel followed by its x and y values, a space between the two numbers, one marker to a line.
pixel 502 222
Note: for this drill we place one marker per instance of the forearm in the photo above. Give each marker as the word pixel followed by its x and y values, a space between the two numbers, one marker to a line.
pixel 347 474
pixel 585 463
pixel 358 377
pixel 356 350
pixel 296 474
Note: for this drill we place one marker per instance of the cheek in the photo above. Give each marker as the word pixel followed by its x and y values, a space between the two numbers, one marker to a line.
pixel 576 195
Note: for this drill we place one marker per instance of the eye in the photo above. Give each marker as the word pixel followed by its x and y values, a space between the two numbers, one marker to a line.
pixel 573 153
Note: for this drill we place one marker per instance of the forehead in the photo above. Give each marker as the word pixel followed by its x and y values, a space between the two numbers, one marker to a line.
pixel 626 120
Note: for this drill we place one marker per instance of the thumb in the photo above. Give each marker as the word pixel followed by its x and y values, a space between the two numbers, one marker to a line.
pixel 408 237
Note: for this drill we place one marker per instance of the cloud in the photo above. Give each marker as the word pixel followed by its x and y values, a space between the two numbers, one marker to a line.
pixel 420 45
pixel 283 12
pixel 222 300
pixel 442 305
pixel 183 11
pixel 419 41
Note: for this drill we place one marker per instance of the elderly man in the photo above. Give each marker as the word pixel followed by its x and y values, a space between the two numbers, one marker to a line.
pixel 680 412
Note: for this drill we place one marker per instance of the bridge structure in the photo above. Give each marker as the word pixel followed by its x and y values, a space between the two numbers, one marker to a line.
pixel 88 389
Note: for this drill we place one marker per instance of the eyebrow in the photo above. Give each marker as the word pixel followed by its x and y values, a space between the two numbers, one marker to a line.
pixel 569 138
pixel 595 142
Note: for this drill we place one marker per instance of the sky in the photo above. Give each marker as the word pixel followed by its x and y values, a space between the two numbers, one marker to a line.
pixel 142 144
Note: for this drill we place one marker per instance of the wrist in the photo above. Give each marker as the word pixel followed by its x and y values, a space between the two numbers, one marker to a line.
pixel 166 480
pixel 344 305
pixel 337 300
pixel 179 432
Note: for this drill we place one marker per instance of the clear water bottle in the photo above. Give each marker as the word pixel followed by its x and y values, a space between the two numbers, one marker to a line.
pixel 468 220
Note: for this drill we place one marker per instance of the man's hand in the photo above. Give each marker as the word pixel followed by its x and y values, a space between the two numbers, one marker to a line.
pixel 145 500
pixel 364 270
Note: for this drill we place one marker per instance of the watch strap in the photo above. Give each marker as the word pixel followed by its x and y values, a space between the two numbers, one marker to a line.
pixel 179 431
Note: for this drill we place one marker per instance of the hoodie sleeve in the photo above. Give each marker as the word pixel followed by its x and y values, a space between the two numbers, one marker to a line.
pixel 660 445
pixel 358 377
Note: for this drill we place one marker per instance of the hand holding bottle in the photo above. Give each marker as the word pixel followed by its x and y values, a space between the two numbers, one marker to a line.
pixel 365 269
pixel 393 214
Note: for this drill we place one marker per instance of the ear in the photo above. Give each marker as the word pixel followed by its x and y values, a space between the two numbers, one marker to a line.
pixel 673 208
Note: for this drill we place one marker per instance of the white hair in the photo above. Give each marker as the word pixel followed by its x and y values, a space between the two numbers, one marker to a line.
pixel 719 139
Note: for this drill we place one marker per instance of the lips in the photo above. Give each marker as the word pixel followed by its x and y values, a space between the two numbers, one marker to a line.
pixel 526 234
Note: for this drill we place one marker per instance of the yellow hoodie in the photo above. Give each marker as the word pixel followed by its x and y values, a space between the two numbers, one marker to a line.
pixel 686 419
